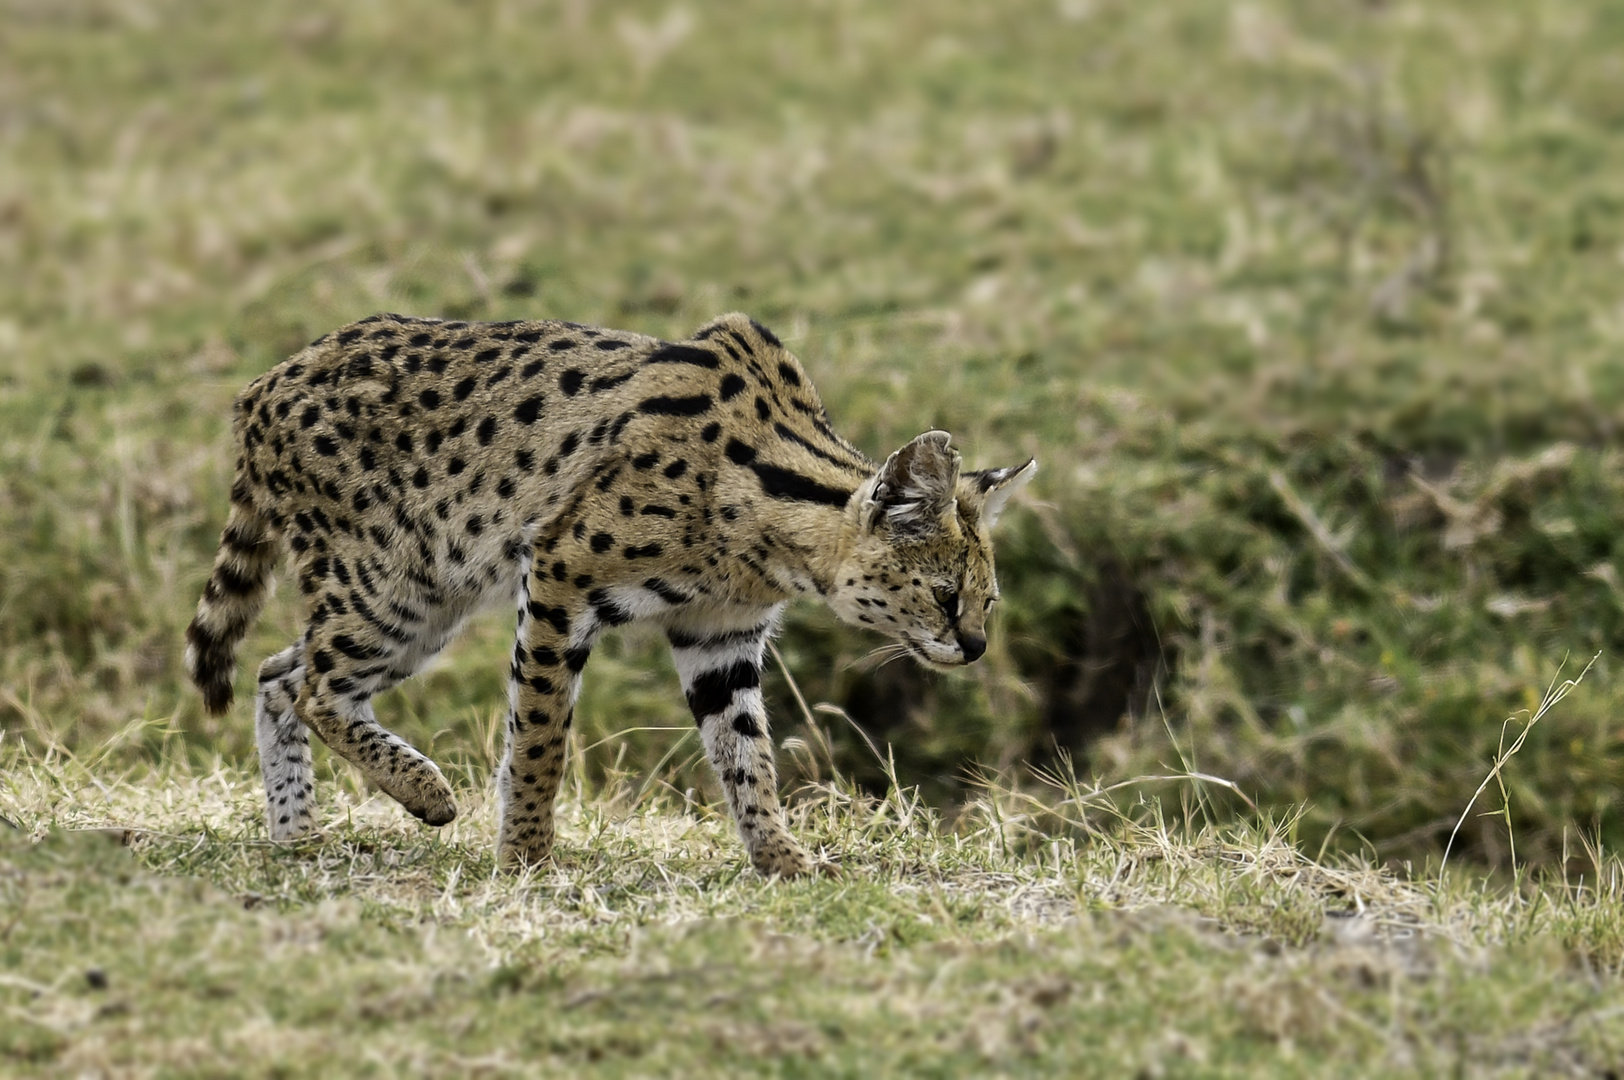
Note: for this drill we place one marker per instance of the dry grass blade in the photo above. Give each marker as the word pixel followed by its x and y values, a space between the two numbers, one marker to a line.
pixel 1553 695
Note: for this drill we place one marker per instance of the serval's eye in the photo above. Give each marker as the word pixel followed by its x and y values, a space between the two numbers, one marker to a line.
pixel 949 600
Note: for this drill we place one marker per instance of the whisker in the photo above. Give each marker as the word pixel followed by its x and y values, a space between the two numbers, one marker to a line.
pixel 897 655
pixel 879 656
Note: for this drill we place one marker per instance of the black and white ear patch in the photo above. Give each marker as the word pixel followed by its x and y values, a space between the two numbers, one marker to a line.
pixel 996 486
pixel 987 479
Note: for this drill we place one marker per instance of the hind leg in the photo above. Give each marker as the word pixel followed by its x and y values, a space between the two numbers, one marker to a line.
pixel 284 745
pixel 336 703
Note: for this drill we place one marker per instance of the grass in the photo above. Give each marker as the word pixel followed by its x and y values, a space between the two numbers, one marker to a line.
pixel 1309 311
pixel 152 928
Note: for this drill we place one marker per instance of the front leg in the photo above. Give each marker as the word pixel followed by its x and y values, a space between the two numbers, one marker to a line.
pixel 555 637
pixel 721 676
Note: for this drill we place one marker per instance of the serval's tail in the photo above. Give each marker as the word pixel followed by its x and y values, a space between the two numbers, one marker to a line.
pixel 249 549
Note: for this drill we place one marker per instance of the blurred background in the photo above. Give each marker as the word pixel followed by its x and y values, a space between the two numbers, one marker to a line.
pixel 1311 311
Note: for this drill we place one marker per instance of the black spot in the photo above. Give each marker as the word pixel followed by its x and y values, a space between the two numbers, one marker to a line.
pixel 562 344
pixel 486 431
pixel 460 343
pixel 532 369
pixel 746 725
pixel 712 691
pixel 627 507
pixel 762 410
pixel 463 389
pixel 456 466
pixel 325 446
pixel 527 410
pixel 712 430
pixel 309 417
pixel 475 525
pixel 353 649
pixel 610 345
pixel 647 551
pixel 430 399
pixel 788 484
pixel 569 445
pixel 609 613
pixel 421 339
pixel 783 483
pixel 505 488
pixel 666 592
pixel 683 354
pixel 609 382
pixel 557 616
pixel 575 659
pixel 232 582
pixel 497 376
pixel 766 335
pixel 646 461
pixel 602 542
pixel 732 386
pixel 570 382
pixel 676 469
pixel 420 479
pixel 525 459
pixel 433 440
pixel 676 406
pixel 438 364
pixel 787 372
pixel 485 356
pixel 403 442
pixel 653 510
pixel 348 336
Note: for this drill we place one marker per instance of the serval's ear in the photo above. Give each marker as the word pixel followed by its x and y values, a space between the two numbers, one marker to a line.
pixel 916 487
pixel 988 490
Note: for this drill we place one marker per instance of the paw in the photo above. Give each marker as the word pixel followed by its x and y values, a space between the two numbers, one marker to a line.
pixel 288 828
pixel 425 795
pixel 516 856
pixel 784 859
pixel 435 812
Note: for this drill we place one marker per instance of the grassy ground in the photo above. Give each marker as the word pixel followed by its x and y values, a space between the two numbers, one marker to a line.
pixel 1026 939
pixel 1309 310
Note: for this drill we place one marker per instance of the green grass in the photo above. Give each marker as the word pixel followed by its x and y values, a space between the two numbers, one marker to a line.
pixel 1009 943
pixel 1309 311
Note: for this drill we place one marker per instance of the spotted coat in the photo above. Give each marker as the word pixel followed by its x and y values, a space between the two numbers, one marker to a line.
pixel 419 470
